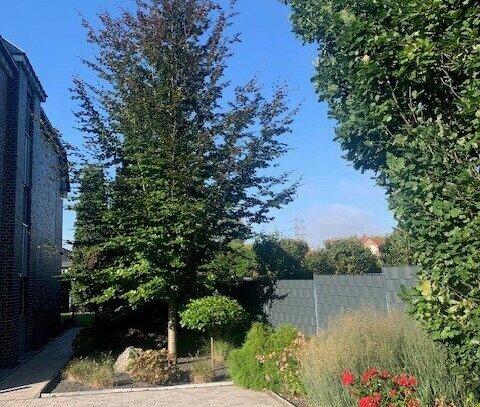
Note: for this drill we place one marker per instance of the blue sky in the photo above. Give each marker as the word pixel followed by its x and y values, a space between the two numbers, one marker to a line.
pixel 334 200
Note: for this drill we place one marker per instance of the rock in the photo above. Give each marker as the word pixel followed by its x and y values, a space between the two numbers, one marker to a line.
pixel 122 362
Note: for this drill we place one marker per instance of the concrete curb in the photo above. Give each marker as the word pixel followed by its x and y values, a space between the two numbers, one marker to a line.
pixel 280 399
pixel 37 352
pixel 54 376
pixel 136 389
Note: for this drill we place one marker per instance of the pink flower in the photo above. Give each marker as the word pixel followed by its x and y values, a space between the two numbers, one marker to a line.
pixel 369 374
pixel 347 378
pixel 370 401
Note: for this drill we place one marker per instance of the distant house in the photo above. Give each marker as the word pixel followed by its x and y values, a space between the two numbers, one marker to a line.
pixel 33 183
pixel 373 243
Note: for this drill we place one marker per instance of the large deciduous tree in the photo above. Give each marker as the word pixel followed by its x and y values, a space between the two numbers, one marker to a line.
pixel 91 207
pixel 192 170
pixel 402 78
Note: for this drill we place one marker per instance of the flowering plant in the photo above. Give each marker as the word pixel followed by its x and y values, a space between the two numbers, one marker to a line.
pixel 286 364
pixel 380 389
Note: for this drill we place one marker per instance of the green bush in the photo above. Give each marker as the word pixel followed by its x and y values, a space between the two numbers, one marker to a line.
pixel 152 366
pixel 398 249
pixel 343 256
pixel 268 359
pixel 96 373
pixel 366 339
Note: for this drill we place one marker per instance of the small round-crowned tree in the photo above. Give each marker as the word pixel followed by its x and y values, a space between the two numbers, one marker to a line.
pixel 213 315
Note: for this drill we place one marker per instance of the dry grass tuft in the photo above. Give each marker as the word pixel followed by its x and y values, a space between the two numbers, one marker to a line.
pixel 202 372
pixel 93 373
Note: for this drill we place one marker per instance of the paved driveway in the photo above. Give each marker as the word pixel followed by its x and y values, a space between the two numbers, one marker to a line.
pixel 226 396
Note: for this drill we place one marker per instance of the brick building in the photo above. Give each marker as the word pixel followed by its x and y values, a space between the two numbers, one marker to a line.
pixel 33 183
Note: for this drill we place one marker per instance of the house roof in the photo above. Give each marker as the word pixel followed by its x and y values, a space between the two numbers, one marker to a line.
pixel 6 58
pixel 376 240
pixel 20 57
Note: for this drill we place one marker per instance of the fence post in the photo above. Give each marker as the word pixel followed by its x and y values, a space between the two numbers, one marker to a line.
pixel 315 303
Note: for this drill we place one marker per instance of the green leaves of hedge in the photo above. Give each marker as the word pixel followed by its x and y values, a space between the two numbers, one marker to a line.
pixel 402 81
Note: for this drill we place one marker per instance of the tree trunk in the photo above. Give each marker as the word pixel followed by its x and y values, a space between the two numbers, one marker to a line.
pixel 172 329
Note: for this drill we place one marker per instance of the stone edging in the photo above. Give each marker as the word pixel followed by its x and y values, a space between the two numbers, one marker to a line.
pixel 135 389
pixel 280 399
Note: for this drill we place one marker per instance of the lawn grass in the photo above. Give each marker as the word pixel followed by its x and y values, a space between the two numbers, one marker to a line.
pixel 81 319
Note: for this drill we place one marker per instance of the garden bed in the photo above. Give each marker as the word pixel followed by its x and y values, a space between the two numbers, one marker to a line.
pixel 124 380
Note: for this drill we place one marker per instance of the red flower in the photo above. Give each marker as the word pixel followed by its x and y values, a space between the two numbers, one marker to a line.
pixel 393 393
pixel 370 373
pixel 347 378
pixel 385 374
pixel 404 380
pixel 370 401
pixel 413 403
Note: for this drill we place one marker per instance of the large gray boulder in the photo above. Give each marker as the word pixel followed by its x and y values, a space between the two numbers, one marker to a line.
pixel 126 357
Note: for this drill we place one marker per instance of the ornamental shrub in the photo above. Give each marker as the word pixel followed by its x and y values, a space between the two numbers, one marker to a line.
pixel 365 339
pixel 268 359
pixel 215 315
pixel 152 366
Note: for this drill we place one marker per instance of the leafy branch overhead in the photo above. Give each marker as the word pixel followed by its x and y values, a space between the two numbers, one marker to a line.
pixel 401 79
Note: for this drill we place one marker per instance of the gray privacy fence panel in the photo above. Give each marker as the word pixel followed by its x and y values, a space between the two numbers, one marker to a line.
pixel 311 304
pixel 395 278
pixel 341 293
pixel 294 303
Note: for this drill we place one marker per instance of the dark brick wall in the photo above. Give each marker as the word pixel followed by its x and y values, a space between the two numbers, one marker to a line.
pixel 9 283
pixel 20 332
pixel 44 290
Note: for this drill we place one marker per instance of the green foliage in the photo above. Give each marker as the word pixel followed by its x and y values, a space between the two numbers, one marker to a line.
pixel 397 249
pixel 90 233
pixel 366 339
pixel 268 359
pixel 230 266
pixel 281 258
pixel 214 314
pixel 190 169
pixel 152 366
pixel 96 373
pixel 343 256
pixel 401 79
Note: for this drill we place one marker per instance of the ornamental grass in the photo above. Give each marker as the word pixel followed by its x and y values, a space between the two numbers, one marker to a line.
pixel 367 339
pixel 95 373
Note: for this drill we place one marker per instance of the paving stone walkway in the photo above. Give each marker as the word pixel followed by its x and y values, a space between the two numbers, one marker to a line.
pixel 26 382
pixel 225 396
pixel 22 388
